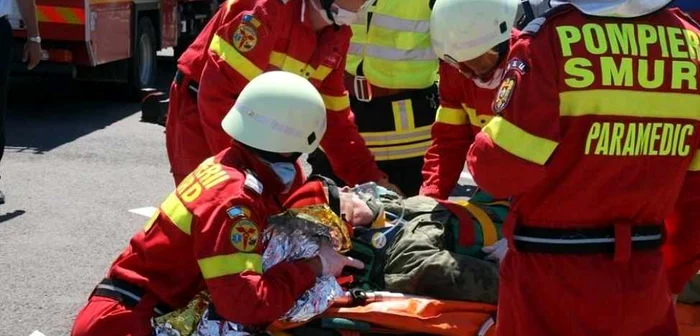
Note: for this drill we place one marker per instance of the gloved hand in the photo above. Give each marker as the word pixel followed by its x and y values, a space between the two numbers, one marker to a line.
pixel 334 262
pixel 497 251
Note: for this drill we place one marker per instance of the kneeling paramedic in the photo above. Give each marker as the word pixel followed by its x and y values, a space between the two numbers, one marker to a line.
pixel 596 140
pixel 245 38
pixel 207 233
pixel 473 54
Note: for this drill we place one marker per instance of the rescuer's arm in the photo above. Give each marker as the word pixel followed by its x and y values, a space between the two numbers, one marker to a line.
pixel 510 154
pixel 229 252
pixel 346 149
pixel 239 51
pixel 32 50
pixel 682 245
pixel 452 135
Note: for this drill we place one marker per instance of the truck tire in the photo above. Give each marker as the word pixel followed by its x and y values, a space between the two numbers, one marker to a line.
pixel 143 66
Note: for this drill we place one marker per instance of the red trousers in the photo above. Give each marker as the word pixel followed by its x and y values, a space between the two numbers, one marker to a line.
pixel 103 316
pixel 184 137
pixel 584 295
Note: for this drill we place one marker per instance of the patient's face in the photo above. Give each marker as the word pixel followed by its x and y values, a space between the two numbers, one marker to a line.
pixel 353 209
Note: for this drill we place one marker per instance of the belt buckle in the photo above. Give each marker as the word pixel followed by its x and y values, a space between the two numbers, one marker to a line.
pixel 363 90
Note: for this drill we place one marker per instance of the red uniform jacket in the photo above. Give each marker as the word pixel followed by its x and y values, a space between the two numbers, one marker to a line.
pixel 598 124
pixel 464 109
pixel 208 235
pixel 248 37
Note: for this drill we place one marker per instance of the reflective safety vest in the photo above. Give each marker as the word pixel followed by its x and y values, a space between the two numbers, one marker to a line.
pixel 393 45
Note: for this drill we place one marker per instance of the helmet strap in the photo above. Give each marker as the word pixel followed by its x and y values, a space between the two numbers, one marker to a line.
pixel 502 49
pixel 326 5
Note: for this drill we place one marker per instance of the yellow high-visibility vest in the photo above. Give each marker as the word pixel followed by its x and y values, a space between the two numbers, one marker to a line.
pixel 395 50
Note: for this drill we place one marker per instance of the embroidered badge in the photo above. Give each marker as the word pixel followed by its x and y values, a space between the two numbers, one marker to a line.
pixel 245 38
pixel 505 93
pixel 236 211
pixel 245 235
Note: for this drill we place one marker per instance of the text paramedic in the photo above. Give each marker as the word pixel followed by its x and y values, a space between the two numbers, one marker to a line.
pixel 634 42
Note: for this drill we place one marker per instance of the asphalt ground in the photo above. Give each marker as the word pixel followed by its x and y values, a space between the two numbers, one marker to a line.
pixel 77 159
pixel 80 172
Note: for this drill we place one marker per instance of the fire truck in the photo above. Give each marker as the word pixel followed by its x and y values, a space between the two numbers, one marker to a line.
pixel 111 40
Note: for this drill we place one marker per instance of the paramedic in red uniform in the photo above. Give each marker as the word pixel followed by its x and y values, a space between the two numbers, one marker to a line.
pixel 596 139
pixel 471 68
pixel 207 234
pixel 246 38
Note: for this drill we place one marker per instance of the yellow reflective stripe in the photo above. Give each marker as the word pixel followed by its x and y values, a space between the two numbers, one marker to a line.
pixel 695 163
pixel 452 116
pixel 630 104
pixel 336 103
pixel 516 141
pixel 403 115
pixel 373 139
pixel 400 152
pixel 218 266
pixel 233 58
pixel 176 211
pixel 321 73
pixel 476 119
pixel 290 64
pixel 488 228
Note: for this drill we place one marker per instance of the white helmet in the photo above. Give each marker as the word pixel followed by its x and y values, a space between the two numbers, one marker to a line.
pixel 462 30
pixel 278 112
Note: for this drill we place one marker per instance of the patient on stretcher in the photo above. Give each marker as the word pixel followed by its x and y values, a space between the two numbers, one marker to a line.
pixel 416 246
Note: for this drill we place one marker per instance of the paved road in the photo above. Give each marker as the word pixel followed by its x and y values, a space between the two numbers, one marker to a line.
pixel 77 160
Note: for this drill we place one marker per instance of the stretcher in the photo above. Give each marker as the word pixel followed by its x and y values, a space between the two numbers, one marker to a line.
pixel 368 313
pixel 392 313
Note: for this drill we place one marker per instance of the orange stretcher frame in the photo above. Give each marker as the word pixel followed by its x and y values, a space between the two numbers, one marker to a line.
pixel 450 318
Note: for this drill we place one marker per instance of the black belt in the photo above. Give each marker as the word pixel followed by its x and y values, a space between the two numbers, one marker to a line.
pixel 583 241
pixel 192 85
pixel 126 293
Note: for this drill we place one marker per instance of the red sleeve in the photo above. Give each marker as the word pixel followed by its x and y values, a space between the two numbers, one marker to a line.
pixel 346 149
pixel 509 155
pixel 229 251
pixel 239 51
pixel 451 134
pixel 682 245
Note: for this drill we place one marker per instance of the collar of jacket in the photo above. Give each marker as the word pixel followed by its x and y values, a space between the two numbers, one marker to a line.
pixel 615 8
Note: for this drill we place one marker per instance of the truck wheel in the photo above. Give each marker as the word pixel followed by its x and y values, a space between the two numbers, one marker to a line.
pixel 144 62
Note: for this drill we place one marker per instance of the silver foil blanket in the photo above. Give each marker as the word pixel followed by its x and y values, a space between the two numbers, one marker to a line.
pixel 287 238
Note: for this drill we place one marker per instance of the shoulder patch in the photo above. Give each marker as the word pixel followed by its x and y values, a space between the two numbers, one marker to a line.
pixel 252 183
pixel 245 235
pixel 505 93
pixel 517 65
pixel 238 211
pixel 245 38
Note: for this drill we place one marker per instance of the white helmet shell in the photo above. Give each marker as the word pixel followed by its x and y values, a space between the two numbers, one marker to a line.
pixel 465 29
pixel 278 112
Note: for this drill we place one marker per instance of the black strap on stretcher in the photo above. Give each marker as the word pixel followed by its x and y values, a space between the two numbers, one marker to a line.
pixel 583 241
pixel 192 86
pixel 126 293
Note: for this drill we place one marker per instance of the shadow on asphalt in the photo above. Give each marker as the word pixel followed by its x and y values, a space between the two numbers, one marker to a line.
pixel 45 113
pixel 11 215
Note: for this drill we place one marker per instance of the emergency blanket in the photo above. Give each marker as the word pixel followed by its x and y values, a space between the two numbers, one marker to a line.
pixel 293 235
